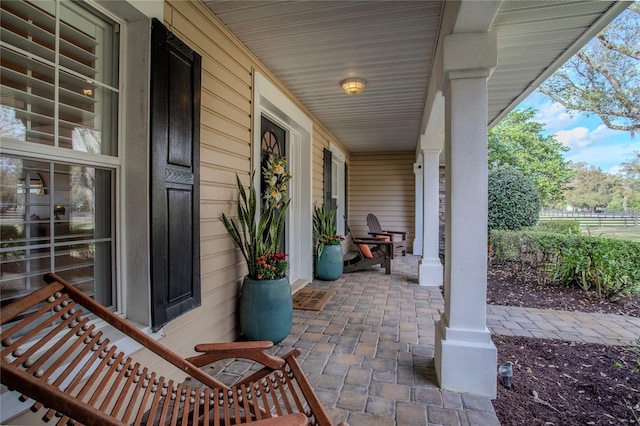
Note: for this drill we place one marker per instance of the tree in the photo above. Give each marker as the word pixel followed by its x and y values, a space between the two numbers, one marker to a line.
pixel 10 126
pixel 631 170
pixel 603 78
pixel 10 173
pixel 518 142
pixel 513 200
pixel 629 198
pixel 592 188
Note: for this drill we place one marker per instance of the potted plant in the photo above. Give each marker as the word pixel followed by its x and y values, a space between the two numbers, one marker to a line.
pixel 266 308
pixel 329 258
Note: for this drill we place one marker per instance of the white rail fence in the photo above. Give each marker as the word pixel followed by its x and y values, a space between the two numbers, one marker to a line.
pixel 593 219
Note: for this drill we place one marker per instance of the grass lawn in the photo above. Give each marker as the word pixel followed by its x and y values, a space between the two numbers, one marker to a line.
pixel 631 233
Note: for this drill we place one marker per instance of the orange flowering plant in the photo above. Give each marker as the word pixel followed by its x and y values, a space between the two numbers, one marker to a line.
pixel 258 235
pixel 272 266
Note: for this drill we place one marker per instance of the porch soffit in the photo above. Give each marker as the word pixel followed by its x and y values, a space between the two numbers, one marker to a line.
pixel 312 45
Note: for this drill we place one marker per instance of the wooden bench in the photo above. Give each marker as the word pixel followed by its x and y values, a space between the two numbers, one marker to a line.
pixel 53 354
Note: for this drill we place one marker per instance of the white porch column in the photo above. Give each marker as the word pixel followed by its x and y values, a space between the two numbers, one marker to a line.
pixel 465 356
pixel 430 271
pixel 417 240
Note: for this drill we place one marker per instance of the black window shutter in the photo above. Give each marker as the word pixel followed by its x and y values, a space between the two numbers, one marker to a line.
pixel 326 179
pixel 175 186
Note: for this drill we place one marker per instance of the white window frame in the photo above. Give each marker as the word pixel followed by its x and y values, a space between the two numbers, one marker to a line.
pixel 338 158
pixel 131 237
pixel 61 155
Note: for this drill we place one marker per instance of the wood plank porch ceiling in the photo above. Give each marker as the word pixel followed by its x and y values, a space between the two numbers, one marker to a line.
pixel 312 45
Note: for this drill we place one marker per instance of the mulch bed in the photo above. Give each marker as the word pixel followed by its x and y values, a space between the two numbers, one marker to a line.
pixel 563 383
pixel 509 286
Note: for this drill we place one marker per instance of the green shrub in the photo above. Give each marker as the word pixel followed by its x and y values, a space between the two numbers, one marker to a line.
pixel 514 202
pixel 504 246
pixel 606 265
pixel 567 227
pixel 603 265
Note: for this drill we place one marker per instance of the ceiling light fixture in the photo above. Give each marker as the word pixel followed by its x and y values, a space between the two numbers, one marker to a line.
pixel 353 86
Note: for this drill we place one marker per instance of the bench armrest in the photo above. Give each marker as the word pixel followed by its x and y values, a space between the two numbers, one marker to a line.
pixel 212 352
pixel 387 233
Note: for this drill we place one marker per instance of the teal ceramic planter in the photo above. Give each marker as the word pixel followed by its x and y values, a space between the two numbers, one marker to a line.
pixel 266 309
pixel 329 265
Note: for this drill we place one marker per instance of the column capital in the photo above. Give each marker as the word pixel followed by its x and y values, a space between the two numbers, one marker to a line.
pixel 470 52
pixel 479 73
pixel 432 142
pixel 431 151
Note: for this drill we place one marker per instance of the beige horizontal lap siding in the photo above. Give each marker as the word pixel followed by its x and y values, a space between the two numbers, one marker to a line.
pixel 319 144
pixel 225 151
pixel 382 184
pixel 321 141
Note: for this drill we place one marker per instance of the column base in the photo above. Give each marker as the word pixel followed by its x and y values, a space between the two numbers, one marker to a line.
pixel 466 360
pixel 430 273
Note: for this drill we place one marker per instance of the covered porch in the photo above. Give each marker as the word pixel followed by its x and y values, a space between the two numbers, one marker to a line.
pixel 438 75
pixel 411 148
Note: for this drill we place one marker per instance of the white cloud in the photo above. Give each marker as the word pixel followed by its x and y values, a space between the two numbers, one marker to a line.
pixel 555 117
pixel 581 137
pixel 574 138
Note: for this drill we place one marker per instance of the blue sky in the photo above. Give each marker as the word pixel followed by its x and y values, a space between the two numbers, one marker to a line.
pixel 589 140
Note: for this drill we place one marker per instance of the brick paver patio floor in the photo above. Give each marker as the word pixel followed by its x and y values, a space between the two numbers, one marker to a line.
pixel 369 352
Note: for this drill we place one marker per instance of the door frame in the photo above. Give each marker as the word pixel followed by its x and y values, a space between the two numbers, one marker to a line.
pixel 269 101
pixel 338 157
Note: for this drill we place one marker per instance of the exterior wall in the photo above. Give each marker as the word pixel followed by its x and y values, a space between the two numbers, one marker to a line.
pixel 322 140
pixel 382 184
pixel 226 149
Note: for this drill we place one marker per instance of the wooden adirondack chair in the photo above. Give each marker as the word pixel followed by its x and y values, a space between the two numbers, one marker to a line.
pixel 378 253
pixel 371 252
pixel 52 354
pixel 375 230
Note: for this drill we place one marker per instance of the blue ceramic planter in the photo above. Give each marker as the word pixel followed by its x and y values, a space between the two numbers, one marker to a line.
pixel 266 309
pixel 329 265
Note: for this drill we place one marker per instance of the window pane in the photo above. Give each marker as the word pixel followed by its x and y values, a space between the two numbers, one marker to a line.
pixel 88 116
pixel 28 107
pixel 89 43
pixel 88 110
pixel 55 217
pixel 85 63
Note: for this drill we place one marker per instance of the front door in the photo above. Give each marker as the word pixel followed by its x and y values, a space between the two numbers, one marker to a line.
pixel 273 141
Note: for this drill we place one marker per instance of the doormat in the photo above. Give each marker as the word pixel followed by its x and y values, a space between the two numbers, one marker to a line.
pixel 311 300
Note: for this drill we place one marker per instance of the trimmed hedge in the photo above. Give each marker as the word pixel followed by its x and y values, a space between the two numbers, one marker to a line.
pixel 567 227
pixel 604 265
